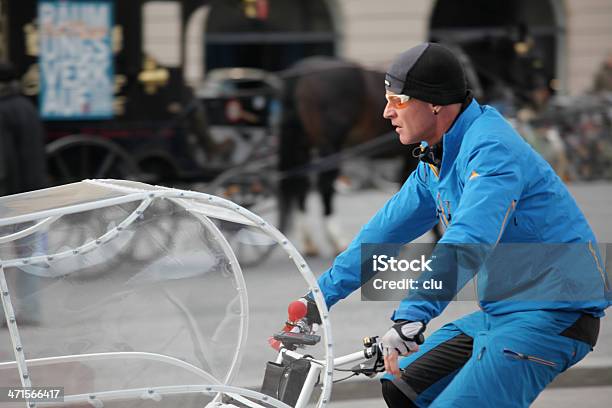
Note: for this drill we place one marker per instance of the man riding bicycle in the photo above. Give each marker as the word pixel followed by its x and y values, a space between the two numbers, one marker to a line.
pixel 489 188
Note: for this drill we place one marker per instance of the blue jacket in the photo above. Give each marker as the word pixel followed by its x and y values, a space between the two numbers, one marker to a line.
pixel 492 188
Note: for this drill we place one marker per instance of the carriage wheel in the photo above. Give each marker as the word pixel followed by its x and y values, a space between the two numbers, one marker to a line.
pixel 77 157
pixel 256 192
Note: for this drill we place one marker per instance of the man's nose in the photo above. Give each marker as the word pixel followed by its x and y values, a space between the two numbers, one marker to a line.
pixel 388 112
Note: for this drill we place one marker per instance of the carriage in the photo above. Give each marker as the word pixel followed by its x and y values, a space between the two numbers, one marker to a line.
pixel 116 103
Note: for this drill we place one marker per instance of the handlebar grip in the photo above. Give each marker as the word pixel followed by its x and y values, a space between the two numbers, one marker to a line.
pixel 297 310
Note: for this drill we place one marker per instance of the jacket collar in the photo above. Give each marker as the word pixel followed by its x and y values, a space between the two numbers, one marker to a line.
pixel 452 139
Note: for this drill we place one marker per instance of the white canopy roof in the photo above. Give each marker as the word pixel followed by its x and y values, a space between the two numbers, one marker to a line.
pixel 110 260
pixel 90 194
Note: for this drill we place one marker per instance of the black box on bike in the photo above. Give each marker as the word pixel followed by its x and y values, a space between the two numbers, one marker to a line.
pixel 284 381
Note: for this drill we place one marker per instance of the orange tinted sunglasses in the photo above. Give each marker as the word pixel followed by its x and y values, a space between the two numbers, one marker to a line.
pixel 397 101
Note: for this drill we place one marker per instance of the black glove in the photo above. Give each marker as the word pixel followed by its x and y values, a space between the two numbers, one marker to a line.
pixel 312 311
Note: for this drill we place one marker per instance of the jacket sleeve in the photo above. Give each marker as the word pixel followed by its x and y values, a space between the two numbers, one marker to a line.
pixel 492 187
pixel 407 215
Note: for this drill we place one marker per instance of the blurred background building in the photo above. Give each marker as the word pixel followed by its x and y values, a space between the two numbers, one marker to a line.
pixel 520 54
pixel 569 37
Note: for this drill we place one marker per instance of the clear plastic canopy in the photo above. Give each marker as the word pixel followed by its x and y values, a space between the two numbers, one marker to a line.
pixel 127 294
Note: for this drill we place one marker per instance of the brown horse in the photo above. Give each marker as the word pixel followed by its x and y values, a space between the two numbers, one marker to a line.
pixel 328 104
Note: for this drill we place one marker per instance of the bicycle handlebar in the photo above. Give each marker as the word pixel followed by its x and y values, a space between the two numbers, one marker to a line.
pixel 298 332
pixel 290 380
pixel 371 356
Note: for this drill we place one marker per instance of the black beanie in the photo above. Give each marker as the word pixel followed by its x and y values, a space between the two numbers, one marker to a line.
pixel 428 72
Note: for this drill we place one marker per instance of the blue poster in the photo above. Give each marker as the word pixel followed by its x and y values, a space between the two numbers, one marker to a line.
pixel 76 59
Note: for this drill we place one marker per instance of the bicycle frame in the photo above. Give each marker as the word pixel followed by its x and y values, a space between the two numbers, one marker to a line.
pixel 317 366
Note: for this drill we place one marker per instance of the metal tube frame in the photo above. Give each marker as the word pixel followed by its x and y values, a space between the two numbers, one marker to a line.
pixel 241 288
pixel 133 193
pixel 11 323
pixel 34 362
pixel 86 247
pixel 28 231
pixel 155 393
pixel 315 369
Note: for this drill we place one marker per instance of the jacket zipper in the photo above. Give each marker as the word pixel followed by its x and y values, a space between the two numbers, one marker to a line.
pixel 512 206
pixel 521 356
pixel 434 169
pixel 603 276
pixel 443 217
pixel 503 225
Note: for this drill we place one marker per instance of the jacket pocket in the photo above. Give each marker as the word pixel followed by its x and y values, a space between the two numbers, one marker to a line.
pixel 511 208
pixel 515 355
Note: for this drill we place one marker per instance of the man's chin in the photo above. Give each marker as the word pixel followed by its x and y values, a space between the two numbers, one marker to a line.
pixel 406 139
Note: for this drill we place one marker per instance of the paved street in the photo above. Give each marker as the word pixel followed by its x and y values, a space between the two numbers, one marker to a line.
pixel 588 397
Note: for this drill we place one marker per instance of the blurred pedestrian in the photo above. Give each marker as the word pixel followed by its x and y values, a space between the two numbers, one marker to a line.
pixel 22 168
pixel 22 138
pixel 603 77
